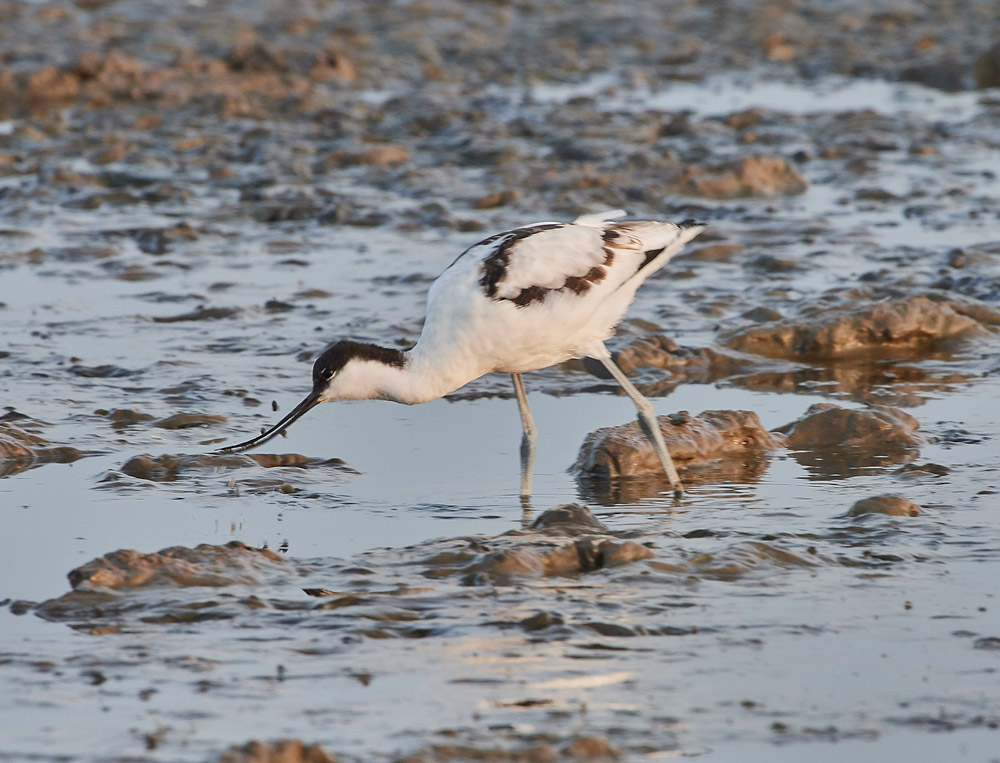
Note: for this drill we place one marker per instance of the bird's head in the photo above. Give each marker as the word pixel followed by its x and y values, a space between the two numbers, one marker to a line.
pixel 345 370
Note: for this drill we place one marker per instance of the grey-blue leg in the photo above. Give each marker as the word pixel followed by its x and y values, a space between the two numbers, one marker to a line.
pixel 647 422
pixel 529 438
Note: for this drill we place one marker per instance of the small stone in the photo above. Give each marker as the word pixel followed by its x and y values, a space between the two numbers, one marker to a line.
pixel 988 68
pixel 592 749
pixel 384 156
pixel 890 504
pixel 913 325
pixel 752 176
pixel 283 751
pixel 541 621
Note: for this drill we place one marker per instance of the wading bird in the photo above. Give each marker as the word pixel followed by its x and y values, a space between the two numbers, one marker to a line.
pixel 518 301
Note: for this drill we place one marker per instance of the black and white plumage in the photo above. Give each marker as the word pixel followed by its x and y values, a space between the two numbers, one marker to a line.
pixel 518 301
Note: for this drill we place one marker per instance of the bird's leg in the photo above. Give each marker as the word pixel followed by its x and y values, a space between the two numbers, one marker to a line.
pixel 647 422
pixel 529 438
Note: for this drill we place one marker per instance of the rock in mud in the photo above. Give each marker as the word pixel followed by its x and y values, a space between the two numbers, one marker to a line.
pixel 891 504
pixel 593 749
pixel 910 326
pixel 565 541
pixel 584 555
pixel 121 418
pixel 201 314
pixel 988 68
pixel 169 467
pixel 283 751
pixel 189 421
pixel 21 450
pixel 946 73
pixel 624 451
pixel 539 749
pixel 826 425
pixel 836 442
pixel 740 560
pixel 752 176
pixel 542 752
pixel 204 565
pixel 541 620
pixel 662 352
pixel 568 519
pixel 914 471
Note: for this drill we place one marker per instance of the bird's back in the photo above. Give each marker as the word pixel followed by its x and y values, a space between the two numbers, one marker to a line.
pixel 530 297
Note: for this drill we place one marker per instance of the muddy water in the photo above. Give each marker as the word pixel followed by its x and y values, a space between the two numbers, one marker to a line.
pixel 194 204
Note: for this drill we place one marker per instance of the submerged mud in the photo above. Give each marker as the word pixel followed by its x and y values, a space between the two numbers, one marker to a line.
pixel 564 585
pixel 197 198
pixel 22 448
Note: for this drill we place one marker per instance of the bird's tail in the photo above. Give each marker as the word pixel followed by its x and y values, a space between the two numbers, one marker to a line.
pixel 660 241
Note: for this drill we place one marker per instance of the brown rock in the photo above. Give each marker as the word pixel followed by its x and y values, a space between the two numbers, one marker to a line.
pixel 595 749
pixel 826 425
pixel 464 753
pixel 255 56
pixel 779 48
pixel 623 451
pixel 21 450
pixel 568 560
pixel 752 176
pixel 837 442
pixel 662 352
pixel 712 252
pixel 890 504
pixel 333 65
pixel 568 519
pixel 283 751
pixel 166 467
pixel 53 85
pixel 169 467
pixel 497 199
pixel 189 420
pixel 564 541
pixel 204 565
pixel 541 620
pixel 384 156
pixel 988 68
pixel 819 333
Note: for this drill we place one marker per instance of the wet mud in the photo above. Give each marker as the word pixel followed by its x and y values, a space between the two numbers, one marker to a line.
pixel 603 597
pixel 22 448
pixel 195 199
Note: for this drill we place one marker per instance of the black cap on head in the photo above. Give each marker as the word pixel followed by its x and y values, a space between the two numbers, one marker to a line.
pixel 339 354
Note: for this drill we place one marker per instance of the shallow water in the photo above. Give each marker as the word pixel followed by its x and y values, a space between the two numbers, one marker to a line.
pixel 757 621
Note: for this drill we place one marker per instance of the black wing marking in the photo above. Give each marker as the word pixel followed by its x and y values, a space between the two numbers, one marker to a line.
pixel 495 266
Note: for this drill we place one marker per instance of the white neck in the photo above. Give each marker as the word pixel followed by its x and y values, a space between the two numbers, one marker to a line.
pixel 425 376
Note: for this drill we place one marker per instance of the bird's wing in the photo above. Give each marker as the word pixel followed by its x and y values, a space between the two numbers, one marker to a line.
pixel 527 264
